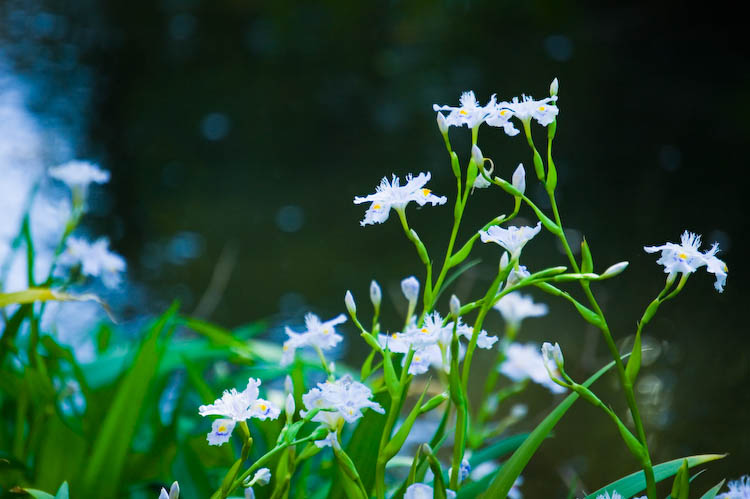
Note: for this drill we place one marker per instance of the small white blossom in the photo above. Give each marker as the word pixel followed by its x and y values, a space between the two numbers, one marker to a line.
pixel 525 361
pixel 262 477
pixel 422 491
pixel 95 258
pixel 515 307
pixel 519 178
pixel 500 117
pixel 606 495
pixel 393 195
pixel 249 493
pixel 318 334
pixel 543 111
pixel 236 406
pixel 686 258
pixel 512 239
pixel 410 288
pixel 480 182
pixel 738 489
pixel 174 492
pixel 463 470
pixel 79 174
pixel 346 397
pixel 469 113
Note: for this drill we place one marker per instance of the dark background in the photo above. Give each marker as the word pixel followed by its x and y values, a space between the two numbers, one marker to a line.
pixel 245 129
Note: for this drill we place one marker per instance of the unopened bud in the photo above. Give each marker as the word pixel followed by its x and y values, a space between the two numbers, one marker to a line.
pixel 289 406
pixel 553 87
pixel 288 385
pixel 249 493
pixel 375 294
pixel 442 123
pixel 476 155
pixel 614 270
pixel 410 288
pixel 519 178
pixel 553 354
pixel 350 305
pixel 262 477
pixel 455 306
pixel 504 260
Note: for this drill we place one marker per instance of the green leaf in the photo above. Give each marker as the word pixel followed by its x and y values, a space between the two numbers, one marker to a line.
pixel 497 449
pixel 713 491
pixel 38 494
pixel 62 492
pixel 32 295
pixel 634 364
pixel 110 449
pixel 632 484
pixel 513 467
pixel 587 262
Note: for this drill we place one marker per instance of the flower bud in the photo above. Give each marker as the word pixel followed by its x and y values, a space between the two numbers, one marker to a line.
pixel 288 385
pixel 410 288
pixel 504 260
pixel 350 305
pixel 553 354
pixel 614 270
pixel 476 155
pixel 249 493
pixel 442 123
pixel 375 294
pixel 519 178
pixel 553 87
pixel 289 406
pixel 455 306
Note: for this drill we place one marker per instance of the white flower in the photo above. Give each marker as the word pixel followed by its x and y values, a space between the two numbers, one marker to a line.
pixel 515 490
pixel 79 174
pixel 515 307
pixel 738 489
pixel 543 111
pixel 480 182
pixel 469 113
pixel 422 491
pixel 174 492
pixel 512 239
pixel 500 117
pixel 606 495
pixel 318 334
pixel 249 493
pixel 525 361
pixel 686 258
pixel 262 477
pixel 236 406
pixel 463 470
pixel 393 195
pixel 96 260
pixel 346 397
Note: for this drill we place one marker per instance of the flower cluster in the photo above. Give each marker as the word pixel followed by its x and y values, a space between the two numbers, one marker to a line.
pixel 340 401
pixel 394 195
pixel 686 258
pixel 431 342
pixel 498 114
pixel 321 335
pixel 235 407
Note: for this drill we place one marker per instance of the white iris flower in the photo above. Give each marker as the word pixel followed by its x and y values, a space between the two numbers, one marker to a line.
pixel 319 334
pixel 236 406
pixel 469 113
pixel 515 307
pixel 543 111
pixel 95 258
pixel 512 239
pixel 394 195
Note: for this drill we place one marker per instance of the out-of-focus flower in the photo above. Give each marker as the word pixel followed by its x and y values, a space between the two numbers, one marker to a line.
pixel 738 489
pixel 686 258
pixel 319 334
pixel 515 307
pixel 346 397
pixel 376 295
pixel 515 490
pixel 410 288
pixel 525 361
pixel 79 174
pixel 262 477
pixel 394 195
pixel 422 491
pixel 95 258
pixel 463 470
pixel 174 492
pixel 512 239
pixel 543 111
pixel 237 406
pixel 469 113
pixel 607 495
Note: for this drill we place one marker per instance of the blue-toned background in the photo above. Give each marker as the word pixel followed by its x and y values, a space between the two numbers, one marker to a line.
pixel 237 134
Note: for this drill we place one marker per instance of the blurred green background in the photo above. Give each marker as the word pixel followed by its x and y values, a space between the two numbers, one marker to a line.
pixel 238 133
